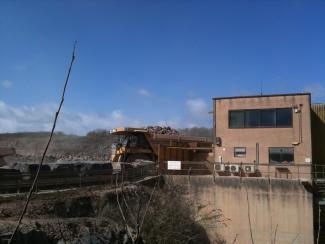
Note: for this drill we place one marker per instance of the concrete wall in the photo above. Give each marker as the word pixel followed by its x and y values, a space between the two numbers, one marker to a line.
pixel 281 206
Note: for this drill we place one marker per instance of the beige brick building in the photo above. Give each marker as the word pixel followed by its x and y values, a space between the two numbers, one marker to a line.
pixel 269 133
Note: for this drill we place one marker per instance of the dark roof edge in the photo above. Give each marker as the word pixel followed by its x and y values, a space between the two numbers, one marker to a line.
pixel 271 95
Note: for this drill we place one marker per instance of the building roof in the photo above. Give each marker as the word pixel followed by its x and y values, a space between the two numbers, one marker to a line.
pixel 271 95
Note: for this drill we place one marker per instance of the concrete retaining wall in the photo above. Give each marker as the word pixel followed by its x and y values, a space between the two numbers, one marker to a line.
pixel 283 207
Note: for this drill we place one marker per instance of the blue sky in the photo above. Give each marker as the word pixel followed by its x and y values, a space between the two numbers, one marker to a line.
pixel 152 62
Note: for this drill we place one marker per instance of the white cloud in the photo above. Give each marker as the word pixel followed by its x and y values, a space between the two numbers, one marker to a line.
pixel 144 93
pixel 6 83
pixel 40 118
pixel 197 113
pixel 317 90
pixel 197 107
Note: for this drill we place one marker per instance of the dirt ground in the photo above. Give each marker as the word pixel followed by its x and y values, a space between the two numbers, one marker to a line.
pixel 62 215
pixel 93 215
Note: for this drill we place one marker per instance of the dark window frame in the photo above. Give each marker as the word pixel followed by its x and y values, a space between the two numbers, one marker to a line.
pixel 259 118
pixel 293 154
pixel 244 156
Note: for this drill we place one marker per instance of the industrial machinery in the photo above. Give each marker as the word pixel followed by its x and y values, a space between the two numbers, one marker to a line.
pixel 141 143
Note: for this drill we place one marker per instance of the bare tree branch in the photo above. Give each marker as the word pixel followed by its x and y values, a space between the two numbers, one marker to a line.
pixel 276 229
pixel 235 239
pixel 128 208
pixel 249 215
pixel 147 207
pixel 293 241
pixel 319 226
pixel 46 148
pixel 121 211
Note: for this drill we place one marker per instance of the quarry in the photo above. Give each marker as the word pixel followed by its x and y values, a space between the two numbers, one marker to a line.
pixel 158 185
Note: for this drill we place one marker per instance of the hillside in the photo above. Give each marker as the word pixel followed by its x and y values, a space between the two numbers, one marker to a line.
pixel 95 145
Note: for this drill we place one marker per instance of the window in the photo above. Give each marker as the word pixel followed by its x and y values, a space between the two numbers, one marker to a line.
pixel 251 118
pixel 279 155
pixel 267 118
pixel 237 119
pixel 240 152
pixel 284 117
pixel 260 118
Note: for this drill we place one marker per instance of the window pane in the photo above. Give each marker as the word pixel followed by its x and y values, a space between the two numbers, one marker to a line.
pixel 287 155
pixel 252 118
pixel 284 117
pixel 240 151
pixel 281 155
pixel 267 118
pixel 236 119
pixel 274 155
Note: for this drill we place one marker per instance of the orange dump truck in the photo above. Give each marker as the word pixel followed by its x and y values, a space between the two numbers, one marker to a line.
pixel 139 143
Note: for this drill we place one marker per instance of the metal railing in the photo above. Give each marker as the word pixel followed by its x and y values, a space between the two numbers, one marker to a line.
pixel 301 171
pixel 20 182
pixel 319 172
pixel 186 168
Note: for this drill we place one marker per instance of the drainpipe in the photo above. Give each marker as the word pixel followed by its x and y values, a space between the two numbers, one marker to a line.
pixel 257 153
pixel 214 129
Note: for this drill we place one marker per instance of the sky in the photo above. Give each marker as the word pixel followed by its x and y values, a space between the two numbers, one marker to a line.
pixel 156 62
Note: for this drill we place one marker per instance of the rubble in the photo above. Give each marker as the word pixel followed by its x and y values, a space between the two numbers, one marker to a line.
pixel 162 130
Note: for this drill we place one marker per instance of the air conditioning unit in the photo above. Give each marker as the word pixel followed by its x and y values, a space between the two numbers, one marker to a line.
pixel 219 167
pixel 218 141
pixel 249 168
pixel 234 168
pixel 227 167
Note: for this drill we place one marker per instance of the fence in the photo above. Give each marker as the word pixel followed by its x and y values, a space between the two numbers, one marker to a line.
pixel 301 171
pixel 319 172
pixel 19 182
pixel 185 168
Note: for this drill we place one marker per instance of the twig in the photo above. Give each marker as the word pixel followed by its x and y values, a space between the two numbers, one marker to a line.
pixel 319 226
pixel 147 207
pixel 138 215
pixel 235 239
pixel 276 229
pixel 58 221
pixel 46 148
pixel 121 211
pixel 293 241
pixel 60 230
pixel 127 207
pixel 249 215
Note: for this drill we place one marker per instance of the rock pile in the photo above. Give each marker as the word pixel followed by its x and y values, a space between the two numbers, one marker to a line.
pixel 162 130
